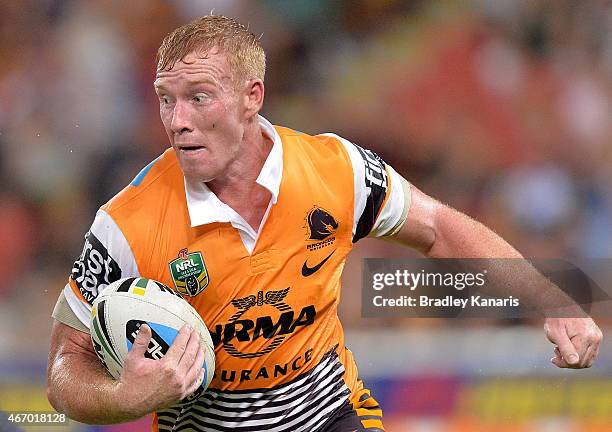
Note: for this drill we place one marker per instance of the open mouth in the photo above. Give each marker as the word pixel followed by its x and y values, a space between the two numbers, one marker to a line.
pixel 191 149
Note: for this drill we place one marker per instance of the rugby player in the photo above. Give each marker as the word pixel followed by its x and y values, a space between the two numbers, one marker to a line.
pixel 265 216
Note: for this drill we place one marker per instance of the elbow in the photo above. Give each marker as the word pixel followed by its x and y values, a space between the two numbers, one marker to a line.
pixel 422 226
pixel 54 390
pixel 430 228
pixel 428 248
pixel 53 393
pixel 455 234
pixel 53 399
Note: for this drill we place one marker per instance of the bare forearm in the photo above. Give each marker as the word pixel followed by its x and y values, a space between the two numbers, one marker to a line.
pixel 459 236
pixel 80 387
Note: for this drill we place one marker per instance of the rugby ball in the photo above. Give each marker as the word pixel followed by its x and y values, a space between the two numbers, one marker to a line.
pixel 124 305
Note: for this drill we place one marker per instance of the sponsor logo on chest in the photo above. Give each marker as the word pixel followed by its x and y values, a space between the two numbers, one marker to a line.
pixel 262 323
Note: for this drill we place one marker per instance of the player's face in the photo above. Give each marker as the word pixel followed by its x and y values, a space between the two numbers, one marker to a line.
pixel 202 114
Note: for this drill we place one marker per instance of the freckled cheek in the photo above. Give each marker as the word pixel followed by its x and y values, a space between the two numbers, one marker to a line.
pixel 208 125
pixel 212 118
pixel 166 119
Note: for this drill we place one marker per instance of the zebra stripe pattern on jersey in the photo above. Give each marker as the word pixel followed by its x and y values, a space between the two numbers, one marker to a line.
pixel 303 405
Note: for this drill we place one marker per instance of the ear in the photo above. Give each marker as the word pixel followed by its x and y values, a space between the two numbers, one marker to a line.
pixel 253 97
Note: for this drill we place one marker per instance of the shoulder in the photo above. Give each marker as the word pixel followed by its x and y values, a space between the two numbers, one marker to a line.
pixel 321 147
pixel 161 176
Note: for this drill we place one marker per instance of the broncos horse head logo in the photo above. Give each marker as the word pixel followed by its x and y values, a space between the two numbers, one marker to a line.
pixel 320 224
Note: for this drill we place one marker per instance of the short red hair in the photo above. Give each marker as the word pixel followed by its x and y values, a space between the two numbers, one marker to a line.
pixel 242 48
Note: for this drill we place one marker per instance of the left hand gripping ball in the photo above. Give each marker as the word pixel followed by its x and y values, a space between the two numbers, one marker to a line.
pixel 125 305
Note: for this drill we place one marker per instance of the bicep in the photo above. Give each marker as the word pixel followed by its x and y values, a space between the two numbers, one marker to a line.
pixel 66 340
pixel 438 231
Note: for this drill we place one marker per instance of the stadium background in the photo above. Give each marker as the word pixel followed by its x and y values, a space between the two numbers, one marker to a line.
pixel 500 108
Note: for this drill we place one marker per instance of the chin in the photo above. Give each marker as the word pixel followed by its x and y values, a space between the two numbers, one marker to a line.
pixel 195 172
pixel 197 176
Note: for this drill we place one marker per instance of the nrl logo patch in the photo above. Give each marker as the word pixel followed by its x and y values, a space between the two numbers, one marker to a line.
pixel 189 273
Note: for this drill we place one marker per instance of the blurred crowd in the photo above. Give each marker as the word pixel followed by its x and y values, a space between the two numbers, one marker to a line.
pixel 500 108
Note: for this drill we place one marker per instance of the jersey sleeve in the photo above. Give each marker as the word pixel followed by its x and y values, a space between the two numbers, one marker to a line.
pixel 106 258
pixel 379 197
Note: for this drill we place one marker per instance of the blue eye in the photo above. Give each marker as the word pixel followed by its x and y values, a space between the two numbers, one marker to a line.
pixel 199 98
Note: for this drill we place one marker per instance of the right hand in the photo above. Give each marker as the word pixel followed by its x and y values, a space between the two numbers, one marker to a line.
pixel 149 385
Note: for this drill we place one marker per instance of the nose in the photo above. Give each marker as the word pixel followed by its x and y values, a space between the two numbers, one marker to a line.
pixel 181 119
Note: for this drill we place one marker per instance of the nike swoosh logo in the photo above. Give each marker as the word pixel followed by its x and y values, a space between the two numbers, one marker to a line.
pixel 307 271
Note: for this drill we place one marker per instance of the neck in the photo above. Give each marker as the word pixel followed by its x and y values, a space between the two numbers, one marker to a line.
pixel 242 173
pixel 238 187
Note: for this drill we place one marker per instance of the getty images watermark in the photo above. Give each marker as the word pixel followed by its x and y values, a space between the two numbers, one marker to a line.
pixel 458 281
pixel 485 288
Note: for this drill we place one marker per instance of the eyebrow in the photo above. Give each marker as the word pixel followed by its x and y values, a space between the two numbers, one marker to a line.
pixel 190 82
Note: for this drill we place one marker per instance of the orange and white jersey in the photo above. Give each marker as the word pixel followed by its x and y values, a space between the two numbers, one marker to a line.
pixel 269 297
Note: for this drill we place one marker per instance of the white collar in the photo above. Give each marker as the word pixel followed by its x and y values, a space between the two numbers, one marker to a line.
pixel 204 206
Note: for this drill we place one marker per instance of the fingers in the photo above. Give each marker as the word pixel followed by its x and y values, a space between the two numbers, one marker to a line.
pixel 189 366
pixel 190 353
pixel 168 380
pixel 567 350
pixel 586 360
pixel 196 384
pixel 558 360
pixel 184 361
pixel 176 350
pixel 141 343
pixel 577 341
pixel 595 336
pixel 196 372
pixel 590 356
